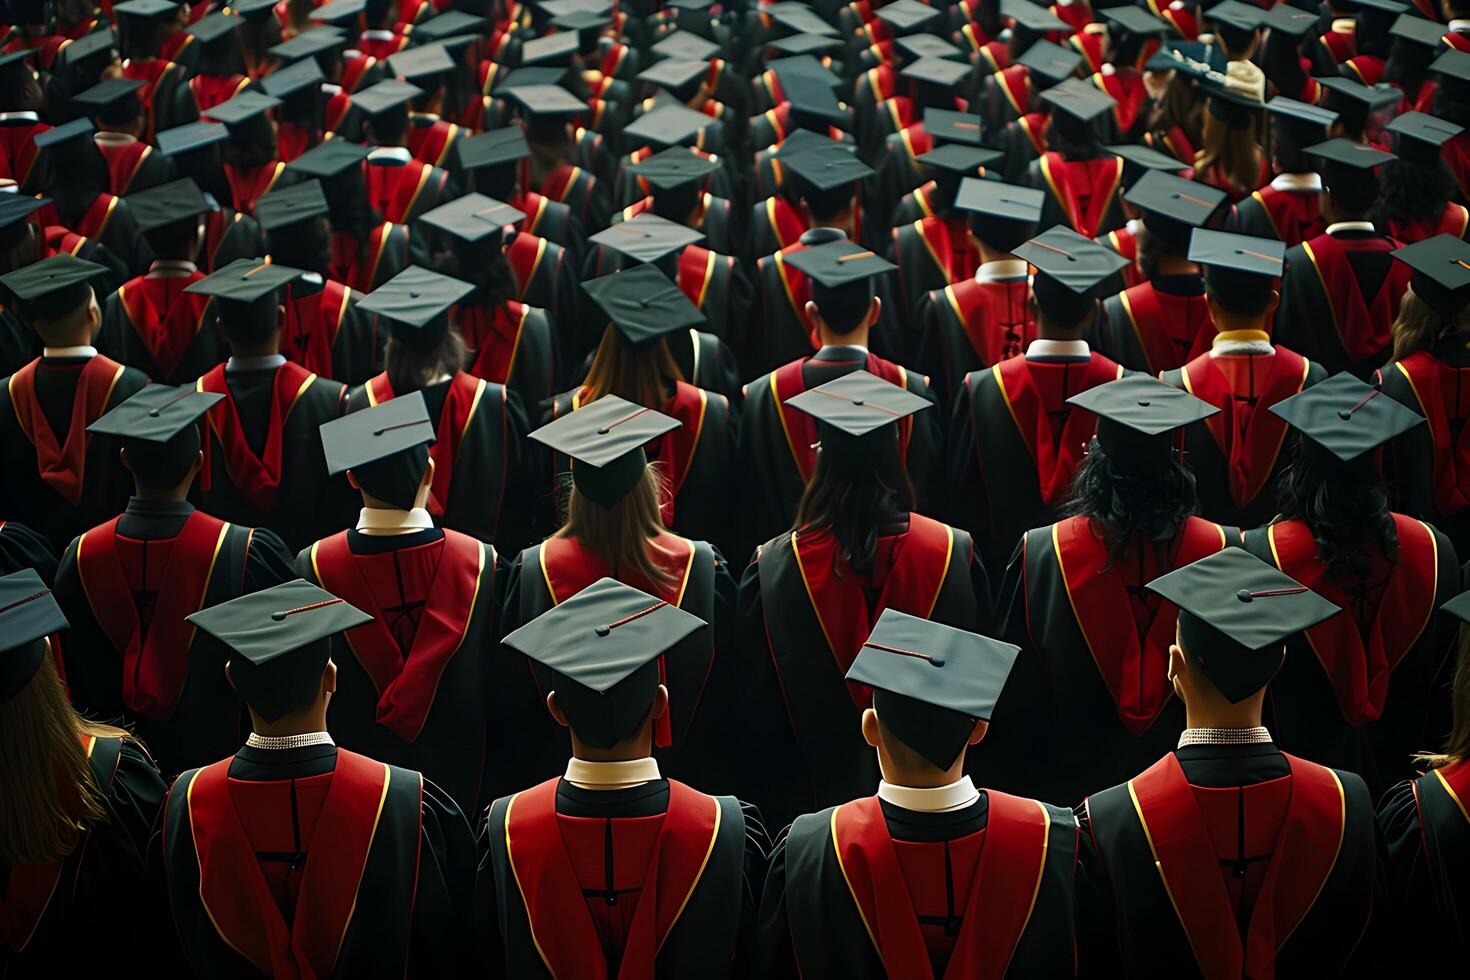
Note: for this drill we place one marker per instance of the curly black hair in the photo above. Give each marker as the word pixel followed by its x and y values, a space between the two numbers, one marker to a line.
pixel 1410 191
pixel 1345 505
pixel 1122 505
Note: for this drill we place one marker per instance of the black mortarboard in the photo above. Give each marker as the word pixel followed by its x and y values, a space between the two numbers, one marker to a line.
pixel 1034 17
pixel 583 21
pixel 926 46
pixel 646 237
pixel 327 160
pixel 1051 63
pixel 799 44
pixel 1139 160
pixel 1353 101
pixel 28 614
pixel 1453 69
pixel 1133 20
pixel 948 126
pixel 89 45
pixel 166 204
pixel 1194 59
pixel 252 9
pixel 812 101
pixel 214 27
pixel 275 638
pixel 473 217
pixel 291 79
pixel 1173 207
pixel 858 403
pixel 449 24
pixel 552 49
pixel 1421 136
pixel 530 76
pixel 308 43
pixel 643 304
pixel 146 8
pixel 75 129
pixel 1418 30
pixel 605 441
pixel 685 46
pixel 1239 253
pixel 1079 99
pixel 1003 215
pixel 839 263
pixel 1069 268
pixel 803 64
pixel 14 210
pixel 386 95
pixel 424 62
pixel 416 303
pixel 931 682
pixel 1235 615
pixel 386 447
pixel 936 71
pixel 828 167
pixel 906 16
pixel 158 427
pixel 1441 272
pixel 107 92
pixel 798 18
pixel 1458 607
pixel 242 108
pixel 1348 169
pixel 668 125
pixel 338 12
pixel 800 141
pixel 598 651
pixel 958 158
pixel 1384 6
pixel 674 167
pixel 291 205
pixel 1136 419
pixel 1289 20
pixel 52 287
pixel 678 76
pixel 245 282
pixel 549 101
pixel 1309 122
pixel 1346 416
pixel 190 137
pixel 1236 14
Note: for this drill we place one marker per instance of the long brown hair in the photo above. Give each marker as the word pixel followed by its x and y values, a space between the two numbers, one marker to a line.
pixel 644 377
pixel 408 370
pixel 51 798
pixel 1419 326
pixel 1457 748
pixel 622 534
pixel 1234 152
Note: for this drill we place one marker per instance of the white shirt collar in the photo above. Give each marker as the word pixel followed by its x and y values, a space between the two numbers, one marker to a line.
pixel 1002 270
pixel 84 350
pixel 315 278
pixel 1297 183
pixel 1238 342
pixel 24 115
pixel 1134 226
pixel 264 362
pixel 116 139
pixel 1338 226
pixel 930 799
pixel 171 269
pixel 376 35
pixel 1041 347
pixel 387 520
pixel 612 775
pixel 1457 26
pixel 848 350
pixel 398 154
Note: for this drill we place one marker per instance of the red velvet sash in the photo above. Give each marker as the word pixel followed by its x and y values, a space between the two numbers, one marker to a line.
pixel 155 665
pixel 123 161
pixel 1295 216
pixel 311 325
pixel 787 224
pixel 212 90
pixel 559 183
pixel 696 269
pixel 534 206
pixel 1250 449
pixel 63 464
pixel 1083 188
pixel 921 562
pixel 234 891
pixel 1156 328
pixel 249 186
pixel 1341 45
pixel 166 318
pixel 1426 374
pixel 560 926
pixel 292 141
pixel 1367 67
pixel 1459 40
pixel 1363 328
pixel 256 477
pixel 1185 857
pixel 1015 84
pixel 525 254
pixel 1056 458
pixel 801 429
pixel 392 189
pixel 1002 894
pixel 18 150
pixel 495 339
pixel 995 316
pixel 949 247
pixel 674 452
pixel 460 402
pixel 1453 220
pixel 431 144
pixel 798 289
pixel 1359 670
pixel 406 680
pixel 1134 668
pixel 1126 88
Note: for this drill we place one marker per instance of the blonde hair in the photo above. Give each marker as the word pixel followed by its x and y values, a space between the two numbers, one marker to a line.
pixel 622 534
pixel 1457 748
pixel 1419 326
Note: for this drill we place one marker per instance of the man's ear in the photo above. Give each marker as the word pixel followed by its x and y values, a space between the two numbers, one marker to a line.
pixel 352 480
pixel 870 727
pixel 122 454
pixel 660 702
pixel 428 479
pixel 874 311
pixel 329 678
pixel 229 676
pixel 1275 302
pixel 981 727
pixel 555 710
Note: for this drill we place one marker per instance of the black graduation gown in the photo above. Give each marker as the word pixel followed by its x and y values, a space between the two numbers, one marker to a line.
pixel 144 307
pixel 1156 902
pixel 546 278
pixel 1427 465
pixel 967 914
pixel 162 561
pixel 81 917
pixel 931 253
pixel 427 706
pixel 1355 691
pixel 21 547
pixel 324 332
pixel 1427 834
pixel 383 854
pixel 1155 326
pixel 970 325
pixel 45 408
pixel 564 873
pixel 19 344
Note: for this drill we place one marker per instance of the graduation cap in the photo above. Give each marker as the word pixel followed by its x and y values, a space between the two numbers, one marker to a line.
pixel 605 441
pixel 242 108
pixel 813 103
pixel 1345 416
pixel 799 44
pixel 680 77
pixel 190 137
pixel 167 204
pixel 1458 607
pixel 291 206
pixel 668 125
pixel 598 652
pixel 214 27
pixel 327 160
pixel 1079 99
pixel 642 303
pixel 425 62
pixel 1240 270
pixel 1133 20
pixel 940 72
pixel 386 447
pixel 1069 268
pixel 1002 215
pixel 94 44
pixel 548 101
pixel 1193 59
pixel 493 149
pixel 109 94
pixel 1235 615
pixel 685 46
pixel 959 158
pixel 1050 63
pixel 253 9
pixel 341 13
pixel 906 16
pixel 319 40
pixel 1441 272
pixel 1033 18
pixel 276 638
pixel 385 96
pixel 1306 122
pixel 146 9
pixel 531 76
pixel 1353 101
pixel 28 614
pixel 827 167
pixel 473 218
pixel 52 287
pixel 797 18
pixel 1136 419
pixel 931 683
pixel 1421 136
pixel 803 64
pixel 948 126
pixel 159 429
pixel 1174 207
pixel 1245 17
pixel 449 24
pixel 244 287
pixel 1348 170
pixel 416 304
pixel 287 81
pixel 926 46
pixel 585 23
pixel 858 403
pixel 14 210
pixel 552 49
pixel 1418 30
pixel 1139 160
pixel 674 167
pixel 1234 96
pixel 64 133
pixel 1453 69
pixel 1289 20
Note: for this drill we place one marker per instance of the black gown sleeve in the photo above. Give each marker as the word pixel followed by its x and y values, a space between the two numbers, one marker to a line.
pixel 757 849
pixel 268 562
pixel 775 957
pixel 441 943
pixel 136 796
pixel 489 945
pixel 21 547
pixel 1098 953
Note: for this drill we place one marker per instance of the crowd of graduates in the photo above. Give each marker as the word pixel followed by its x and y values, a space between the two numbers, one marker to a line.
pixel 1016 451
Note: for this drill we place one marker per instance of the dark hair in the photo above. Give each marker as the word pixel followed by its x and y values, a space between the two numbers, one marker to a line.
pixel 843 307
pixel 1121 506
pixel 1353 193
pixel 121 112
pixel 174 241
pixel 388 128
pixel 411 370
pixel 483 264
pixel 858 485
pixel 1345 505
pixel 1239 293
pixel 1450 107
pixel 1286 147
pixel 163 465
pixel 826 205
pixel 1410 191
pixel 250 323
pixel 677 203
pixel 1406 65
pixel 252 144
pixel 302 245
pixel 1150 249
pixel 1073 138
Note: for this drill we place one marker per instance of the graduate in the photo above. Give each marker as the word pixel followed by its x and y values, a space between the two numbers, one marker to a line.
pixel 299 116
pixel 74 176
pixel 811 595
pixel 550 113
pixel 1229 156
pixel 21 103
pixel 1081 179
pixel 1088 673
pixel 413 683
pixel 1416 191
pixel 127 585
pixel 1289 208
pixel 151 323
pixel 262 455
pixel 250 156
pixel 613 528
pixel 153 38
pixel 777 442
pixel 366 251
pixel 399 187
pixel 827 178
pixel 1348 271
pixel 1227 856
pixel 931 876
pixel 1354 689
pixel 1164 321
pixel 1014 441
pixel 293 856
pixel 21 547
pixel 614 868
pixel 132 165
pixel 477 457
pixel 490 163
pixel 83 799
pixel 193 150
pixel 675 183
pixel 1237 455
pixel 59 479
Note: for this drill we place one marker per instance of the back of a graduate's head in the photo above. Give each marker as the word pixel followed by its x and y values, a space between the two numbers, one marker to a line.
pixel 620 718
pixel 121 113
pixel 302 244
pixel 250 325
pixel 65 317
pixel 1289 137
pixel 640 374
pixel 1240 294
pixel 412 365
pixel 395 479
pixel 1126 498
pixel 618 530
pixel 844 308
pixel 1211 669
pixel 252 143
pixel 1350 195
pixel 859 484
pixel 163 465
pixel 387 128
pixel 827 205
pixel 917 741
pixel 177 240
pixel 1061 313
pixel 677 203
pixel 295 685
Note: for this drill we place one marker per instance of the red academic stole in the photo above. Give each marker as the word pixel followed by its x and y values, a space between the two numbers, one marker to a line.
pixel 18 149
pixel 696 269
pixel 312 322
pixel 155 663
pixel 1171 330
pixel 560 182
pixel 392 190
pixel 430 144
pixel 1002 892
pixel 256 477
pixel 151 73
pixel 1083 188
pixel 1362 326
pixel 1440 403
pixel 1249 436
pixel 292 141
pixel 995 316
pixel 1185 858
pixel 524 255
pixel 1368 68
pixel 560 925
pixel 1456 153
pixel 123 161
pixel 62 464
pixel 460 402
pixel 1295 216
pixel 1341 45
pixel 1135 668
pixel 948 244
pixel 1015 84
pixel 786 222
pixel 234 890
pixel 1125 243
pixel 1175 141
pixel 406 680
pixel 1125 85
pixel 92 224
pixel 166 318
pixel 920 566
pixel 1359 670
pixel 797 287
pixel 495 338
pixel 1056 455
pixel 801 429
pixel 249 186
pixel 212 90
pixel 1453 220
